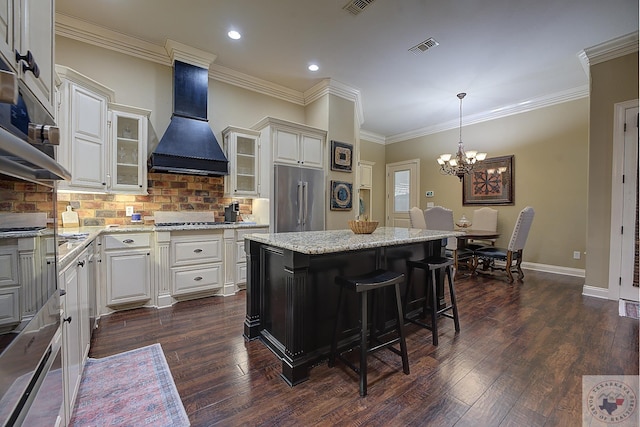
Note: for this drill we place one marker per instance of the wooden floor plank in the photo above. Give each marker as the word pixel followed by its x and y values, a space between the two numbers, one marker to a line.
pixel 518 360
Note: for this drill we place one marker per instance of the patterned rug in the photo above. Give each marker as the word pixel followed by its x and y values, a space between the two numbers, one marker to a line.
pixel 628 309
pixel 134 388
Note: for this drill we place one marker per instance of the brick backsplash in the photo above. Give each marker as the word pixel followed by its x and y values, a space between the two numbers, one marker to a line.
pixel 167 192
pixel 20 196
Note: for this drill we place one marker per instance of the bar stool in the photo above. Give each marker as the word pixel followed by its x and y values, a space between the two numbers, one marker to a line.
pixel 362 285
pixel 431 265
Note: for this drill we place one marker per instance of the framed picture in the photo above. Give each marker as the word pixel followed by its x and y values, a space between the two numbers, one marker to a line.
pixel 341 156
pixel 341 196
pixel 490 183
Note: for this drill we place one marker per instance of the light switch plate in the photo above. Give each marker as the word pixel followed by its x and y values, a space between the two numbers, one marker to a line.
pixel 128 211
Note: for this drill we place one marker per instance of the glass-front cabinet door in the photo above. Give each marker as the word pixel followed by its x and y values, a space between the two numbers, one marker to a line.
pixel 241 148
pixel 129 148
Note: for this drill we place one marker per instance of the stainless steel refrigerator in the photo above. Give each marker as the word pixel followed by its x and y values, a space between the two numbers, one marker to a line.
pixel 299 199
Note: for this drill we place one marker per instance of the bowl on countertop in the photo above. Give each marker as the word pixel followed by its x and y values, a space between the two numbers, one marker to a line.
pixel 363 227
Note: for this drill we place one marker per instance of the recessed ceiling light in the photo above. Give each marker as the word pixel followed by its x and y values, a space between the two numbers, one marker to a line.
pixel 313 67
pixel 233 34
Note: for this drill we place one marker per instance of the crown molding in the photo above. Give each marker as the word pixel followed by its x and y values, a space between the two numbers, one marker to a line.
pixel 509 110
pixel 372 137
pixel 85 32
pixel 611 49
pixel 76 29
pixel 189 55
pixel 69 74
pixel 334 87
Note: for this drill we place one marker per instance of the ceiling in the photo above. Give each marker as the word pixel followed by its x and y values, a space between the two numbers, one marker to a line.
pixel 503 53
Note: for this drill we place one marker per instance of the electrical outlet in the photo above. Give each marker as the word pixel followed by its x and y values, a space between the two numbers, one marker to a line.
pixel 429 193
pixel 576 254
pixel 128 211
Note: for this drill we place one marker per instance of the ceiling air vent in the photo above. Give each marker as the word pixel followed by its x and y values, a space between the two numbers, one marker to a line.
pixel 354 7
pixel 424 46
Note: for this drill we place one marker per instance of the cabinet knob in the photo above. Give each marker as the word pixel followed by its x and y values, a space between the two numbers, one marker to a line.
pixel 197 279
pixel 67 319
pixel 62 292
pixel 30 63
pixel 128 241
pixel 197 251
pixel 81 263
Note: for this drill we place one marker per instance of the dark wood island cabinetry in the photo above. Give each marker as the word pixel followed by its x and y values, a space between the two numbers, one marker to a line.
pixel 291 295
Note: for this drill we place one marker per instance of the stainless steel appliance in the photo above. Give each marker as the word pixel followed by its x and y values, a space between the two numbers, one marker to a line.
pixel 30 332
pixel 299 199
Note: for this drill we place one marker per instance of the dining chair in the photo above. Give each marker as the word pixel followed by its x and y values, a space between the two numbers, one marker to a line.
pixel 484 219
pixel 440 218
pixel 416 217
pixel 512 253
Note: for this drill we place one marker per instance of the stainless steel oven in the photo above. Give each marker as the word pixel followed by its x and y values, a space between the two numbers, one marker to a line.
pixel 31 385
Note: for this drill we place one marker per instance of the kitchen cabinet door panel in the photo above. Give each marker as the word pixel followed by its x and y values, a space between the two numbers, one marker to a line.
pixel 128 277
pixel 312 150
pixel 6 28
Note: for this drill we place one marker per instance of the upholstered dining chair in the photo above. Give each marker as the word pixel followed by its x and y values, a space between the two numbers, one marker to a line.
pixel 512 254
pixel 416 218
pixel 484 219
pixel 439 218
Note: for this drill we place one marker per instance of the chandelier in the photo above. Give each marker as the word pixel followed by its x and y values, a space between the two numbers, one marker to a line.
pixel 461 163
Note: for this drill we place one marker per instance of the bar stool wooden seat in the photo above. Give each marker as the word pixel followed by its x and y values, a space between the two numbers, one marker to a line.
pixel 430 298
pixel 362 285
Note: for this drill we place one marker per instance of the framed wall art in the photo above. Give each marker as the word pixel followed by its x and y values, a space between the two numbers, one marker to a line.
pixel 341 156
pixel 341 196
pixel 490 183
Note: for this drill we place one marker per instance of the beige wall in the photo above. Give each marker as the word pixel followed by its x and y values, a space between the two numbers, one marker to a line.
pixel 550 149
pixel 611 82
pixel 375 152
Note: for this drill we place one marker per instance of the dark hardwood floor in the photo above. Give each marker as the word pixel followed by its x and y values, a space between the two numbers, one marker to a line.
pixel 518 361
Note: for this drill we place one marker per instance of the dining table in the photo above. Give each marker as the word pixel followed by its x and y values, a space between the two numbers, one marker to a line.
pixel 473 234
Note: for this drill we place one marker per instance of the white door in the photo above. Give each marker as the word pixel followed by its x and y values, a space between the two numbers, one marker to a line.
pixel 629 199
pixel 403 188
pixel 624 194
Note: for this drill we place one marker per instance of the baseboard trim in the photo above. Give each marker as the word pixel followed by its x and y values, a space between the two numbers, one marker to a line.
pixel 557 269
pixel 595 292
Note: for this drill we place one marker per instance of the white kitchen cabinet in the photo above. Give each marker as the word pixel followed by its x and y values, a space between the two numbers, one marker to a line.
pixel 241 257
pixel 128 269
pixel 102 144
pixel 82 119
pixel 9 284
pixel 242 147
pixel 196 262
pixel 128 154
pixel 74 282
pixel 284 142
pixel 27 27
pixel 35 34
pixel 366 183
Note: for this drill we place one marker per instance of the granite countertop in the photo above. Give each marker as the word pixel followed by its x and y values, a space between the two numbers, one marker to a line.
pixel 321 242
pixel 79 237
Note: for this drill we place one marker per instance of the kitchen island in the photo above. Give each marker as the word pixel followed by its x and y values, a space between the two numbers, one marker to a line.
pixel 291 295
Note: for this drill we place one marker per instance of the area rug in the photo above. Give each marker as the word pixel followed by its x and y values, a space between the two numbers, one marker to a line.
pixel 134 388
pixel 628 308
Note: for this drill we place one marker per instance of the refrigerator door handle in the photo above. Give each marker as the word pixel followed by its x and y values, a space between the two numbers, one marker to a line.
pixel 300 189
pixel 305 195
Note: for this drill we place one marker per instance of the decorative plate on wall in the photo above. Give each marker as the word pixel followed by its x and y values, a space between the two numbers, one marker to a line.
pixel 341 199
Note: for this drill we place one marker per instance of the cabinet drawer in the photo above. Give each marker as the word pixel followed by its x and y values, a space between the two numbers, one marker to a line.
pixel 189 280
pixel 9 306
pixel 191 251
pixel 125 241
pixel 8 266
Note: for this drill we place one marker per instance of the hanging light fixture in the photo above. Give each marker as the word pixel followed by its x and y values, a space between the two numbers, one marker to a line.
pixel 461 162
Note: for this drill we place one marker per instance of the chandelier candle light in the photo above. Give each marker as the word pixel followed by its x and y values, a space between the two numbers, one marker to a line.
pixel 461 162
